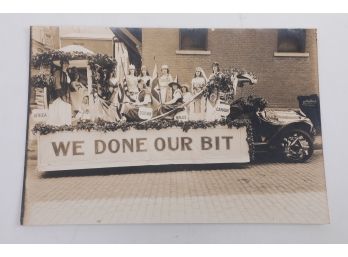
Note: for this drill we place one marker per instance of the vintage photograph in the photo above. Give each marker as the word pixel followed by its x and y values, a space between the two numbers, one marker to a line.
pixel 173 125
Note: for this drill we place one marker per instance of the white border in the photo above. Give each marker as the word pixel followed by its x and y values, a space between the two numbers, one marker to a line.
pixel 332 43
pixel 178 6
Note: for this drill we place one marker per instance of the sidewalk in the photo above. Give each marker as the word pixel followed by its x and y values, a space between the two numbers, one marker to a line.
pixel 258 193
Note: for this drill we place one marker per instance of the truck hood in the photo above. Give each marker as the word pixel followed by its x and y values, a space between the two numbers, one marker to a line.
pixel 284 117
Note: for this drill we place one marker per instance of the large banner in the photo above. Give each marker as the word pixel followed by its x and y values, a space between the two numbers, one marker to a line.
pixel 94 149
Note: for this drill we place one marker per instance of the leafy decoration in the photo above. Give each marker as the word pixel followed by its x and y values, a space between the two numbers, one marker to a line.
pixel 222 83
pixel 42 80
pixel 101 66
pixel 46 59
pixel 105 126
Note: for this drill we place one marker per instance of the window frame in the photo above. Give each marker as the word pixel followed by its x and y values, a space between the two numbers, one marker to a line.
pixel 204 49
pixel 302 54
pixel 282 38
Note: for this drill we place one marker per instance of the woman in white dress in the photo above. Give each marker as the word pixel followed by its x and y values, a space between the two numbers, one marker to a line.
pixel 115 90
pixel 197 84
pixel 132 81
pixel 84 111
pixel 164 81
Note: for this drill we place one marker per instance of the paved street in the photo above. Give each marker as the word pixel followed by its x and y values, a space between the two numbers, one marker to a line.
pixel 264 192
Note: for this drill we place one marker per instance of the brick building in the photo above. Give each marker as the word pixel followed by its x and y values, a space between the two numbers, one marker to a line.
pixel 285 61
pixel 96 39
pixel 44 39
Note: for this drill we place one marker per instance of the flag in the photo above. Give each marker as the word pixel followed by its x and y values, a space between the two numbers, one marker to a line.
pixel 155 89
pixel 154 74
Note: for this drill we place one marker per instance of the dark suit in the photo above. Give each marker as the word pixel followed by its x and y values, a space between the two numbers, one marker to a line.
pixel 61 86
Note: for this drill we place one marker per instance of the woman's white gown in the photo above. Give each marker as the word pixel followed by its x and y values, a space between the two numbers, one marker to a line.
pixel 59 113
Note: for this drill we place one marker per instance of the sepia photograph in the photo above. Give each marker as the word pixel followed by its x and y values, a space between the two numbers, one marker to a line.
pixel 173 125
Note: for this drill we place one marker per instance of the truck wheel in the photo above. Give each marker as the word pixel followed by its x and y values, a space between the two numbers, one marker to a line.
pixel 295 146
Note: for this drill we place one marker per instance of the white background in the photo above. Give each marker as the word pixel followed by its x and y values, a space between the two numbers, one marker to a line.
pixel 14 59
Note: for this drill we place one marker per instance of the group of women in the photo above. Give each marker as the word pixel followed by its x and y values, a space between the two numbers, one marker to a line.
pixel 157 95
pixel 166 97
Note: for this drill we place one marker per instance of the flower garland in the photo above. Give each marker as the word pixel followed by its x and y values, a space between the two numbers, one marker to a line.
pixel 105 126
pixel 220 82
pixel 102 61
pixel 42 80
pixel 250 141
pixel 46 59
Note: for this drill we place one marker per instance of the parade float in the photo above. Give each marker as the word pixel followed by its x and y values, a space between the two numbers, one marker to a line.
pixel 92 141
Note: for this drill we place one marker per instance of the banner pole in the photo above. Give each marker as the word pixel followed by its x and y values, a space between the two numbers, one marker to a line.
pixel 171 111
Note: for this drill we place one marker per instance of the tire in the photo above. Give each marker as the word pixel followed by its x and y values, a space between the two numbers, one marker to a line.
pixel 295 145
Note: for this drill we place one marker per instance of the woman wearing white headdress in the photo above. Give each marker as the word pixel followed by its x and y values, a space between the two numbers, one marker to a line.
pixel 132 81
pixel 164 81
pixel 145 76
pixel 198 83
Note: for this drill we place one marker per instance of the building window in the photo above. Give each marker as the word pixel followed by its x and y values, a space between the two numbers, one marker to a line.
pixel 193 39
pixel 292 40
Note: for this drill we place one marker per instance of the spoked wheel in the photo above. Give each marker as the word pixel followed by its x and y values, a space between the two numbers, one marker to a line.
pixel 296 146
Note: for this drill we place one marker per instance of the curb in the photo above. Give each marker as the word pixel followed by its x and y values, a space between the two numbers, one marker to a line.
pixel 318 144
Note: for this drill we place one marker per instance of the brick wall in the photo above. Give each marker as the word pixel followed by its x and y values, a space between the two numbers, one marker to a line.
pixel 281 79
